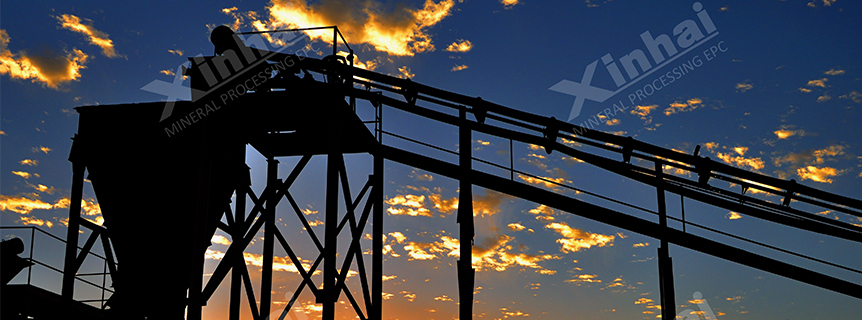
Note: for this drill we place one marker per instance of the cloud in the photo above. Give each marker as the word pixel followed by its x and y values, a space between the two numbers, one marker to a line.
pixel 29 162
pixel 804 90
pixel 460 46
pixel 803 164
pixel 743 87
pixel 24 174
pixel 405 73
pixel 643 301
pixel 516 226
pixel 687 106
pixel 167 72
pixel 86 28
pixel 493 254
pixel 812 156
pixel 742 162
pixel 818 83
pixel 443 298
pixel 824 98
pixel 612 122
pixel 547 182
pixel 854 95
pixel 833 72
pixel 733 215
pixel 219 239
pixel 818 174
pixel 489 203
pixel 421 176
pixel 409 295
pixel 740 150
pixel 640 245
pixel 575 240
pixel 444 205
pixel 583 278
pixel 48 67
pixel 390 28
pixel 22 205
pixel 412 205
pixel 509 3
pixel 176 52
pixel 505 311
pixel 34 221
pixel 41 148
pixel 784 133
pixel 644 111
pixel 458 67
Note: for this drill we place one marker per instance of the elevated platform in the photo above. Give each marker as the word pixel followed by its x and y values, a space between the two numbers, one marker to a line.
pixel 23 301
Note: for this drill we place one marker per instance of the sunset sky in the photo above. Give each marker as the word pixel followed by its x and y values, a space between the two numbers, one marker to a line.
pixel 773 87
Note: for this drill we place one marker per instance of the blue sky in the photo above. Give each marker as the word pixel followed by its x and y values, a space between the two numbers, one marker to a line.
pixel 781 97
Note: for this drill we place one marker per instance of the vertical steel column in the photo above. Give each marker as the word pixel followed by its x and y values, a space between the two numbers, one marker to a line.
pixel 376 312
pixel 268 237
pixel 330 237
pixel 70 266
pixel 665 263
pixel 466 274
pixel 237 233
pixel 199 241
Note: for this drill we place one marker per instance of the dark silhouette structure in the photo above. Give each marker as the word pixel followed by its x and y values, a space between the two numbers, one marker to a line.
pixel 166 187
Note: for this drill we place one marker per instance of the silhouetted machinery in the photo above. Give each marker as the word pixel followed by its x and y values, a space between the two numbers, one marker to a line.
pixel 164 175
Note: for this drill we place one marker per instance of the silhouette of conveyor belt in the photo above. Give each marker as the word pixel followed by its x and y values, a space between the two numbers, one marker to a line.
pixel 593 147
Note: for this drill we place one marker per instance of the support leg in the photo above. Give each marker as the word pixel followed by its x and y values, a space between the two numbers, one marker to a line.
pixel 466 274
pixel 70 268
pixel 268 238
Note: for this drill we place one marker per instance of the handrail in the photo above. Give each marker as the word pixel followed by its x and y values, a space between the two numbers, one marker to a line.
pixel 78 276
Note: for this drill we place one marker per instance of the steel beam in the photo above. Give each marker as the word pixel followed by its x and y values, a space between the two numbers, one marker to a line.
pixel 330 236
pixel 628 222
pixel 268 238
pixel 665 264
pixel 466 273
pixel 70 267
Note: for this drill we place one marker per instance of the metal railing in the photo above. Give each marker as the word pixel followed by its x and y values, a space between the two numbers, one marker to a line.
pixel 82 277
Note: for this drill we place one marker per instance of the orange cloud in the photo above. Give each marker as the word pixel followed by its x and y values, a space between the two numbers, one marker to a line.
pixel 219 239
pixel 411 205
pixel 547 182
pixel 743 87
pixel 583 278
pixel 395 30
pixel 24 174
pixel 814 156
pixel 643 111
pixel 575 239
pixel 687 106
pixel 784 134
pixel 444 205
pixel 460 46
pixel 509 3
pixel 818 174
pixel 489 203
pixel 48 67
pixel 818 83
pixel 733 215
pixel 458 67
pixel 742 162
pixel 96 37
pixel 36 222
